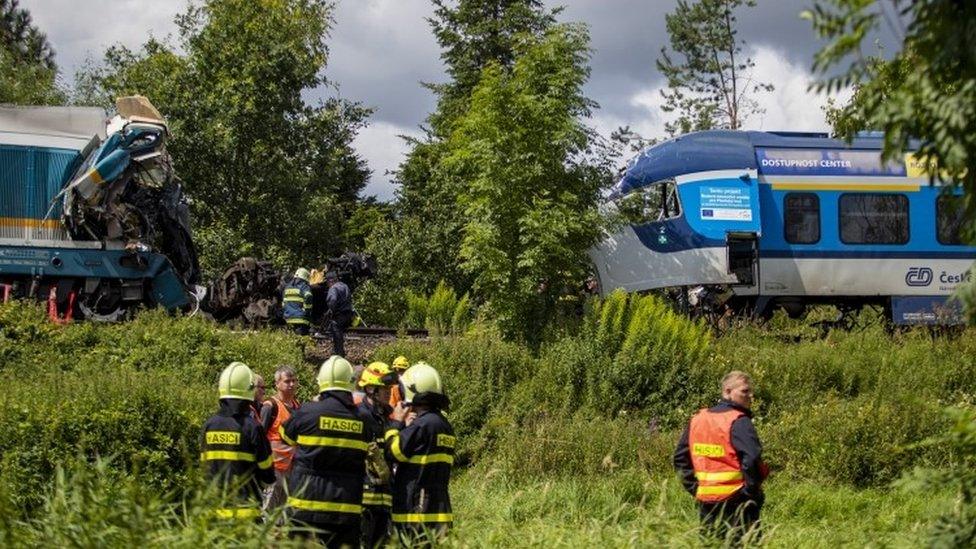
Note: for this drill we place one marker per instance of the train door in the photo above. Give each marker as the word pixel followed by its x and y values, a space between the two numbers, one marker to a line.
pixel 728 208
pixel 742 254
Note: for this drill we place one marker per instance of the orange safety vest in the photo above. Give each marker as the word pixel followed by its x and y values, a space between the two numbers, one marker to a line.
pixel 395 398
pixel 716 463
pixel 282 451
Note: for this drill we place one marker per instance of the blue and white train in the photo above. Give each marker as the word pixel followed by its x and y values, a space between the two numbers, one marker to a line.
pixel 789 219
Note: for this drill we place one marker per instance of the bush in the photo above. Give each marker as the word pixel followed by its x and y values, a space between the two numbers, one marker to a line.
pixel 572 446
pixel 853 441
pixel 478 371
pixel 91 504
pixel 441 313
pixel 138 391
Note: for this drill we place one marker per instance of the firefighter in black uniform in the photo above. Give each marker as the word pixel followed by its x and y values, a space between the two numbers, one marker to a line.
pixel 326 483
pixel 234 448
pixel 422 450
pixel 376 381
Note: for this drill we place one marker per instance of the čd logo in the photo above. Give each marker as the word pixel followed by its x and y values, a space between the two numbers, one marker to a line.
pixel 918 276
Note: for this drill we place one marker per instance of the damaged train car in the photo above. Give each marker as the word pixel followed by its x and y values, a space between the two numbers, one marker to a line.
pixel 92 216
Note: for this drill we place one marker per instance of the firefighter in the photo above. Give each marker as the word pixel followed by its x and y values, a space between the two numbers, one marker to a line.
pixel 325 488
pixel 376 381
pixel 400 365
pixel 719 459
pixel 233 446
pixel 339 301
pixel 296 302
pixel 275 411
pixel 422 449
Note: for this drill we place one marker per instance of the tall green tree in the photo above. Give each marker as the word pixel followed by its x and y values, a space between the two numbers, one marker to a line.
pixel 710 84
pixel 530 196
pixel 472 34
pixel 269 174
pixel 28 73
pixel 924 91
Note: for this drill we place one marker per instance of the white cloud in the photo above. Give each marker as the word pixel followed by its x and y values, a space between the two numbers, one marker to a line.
pixel 789 107
pixel 383 150
pixel 78 30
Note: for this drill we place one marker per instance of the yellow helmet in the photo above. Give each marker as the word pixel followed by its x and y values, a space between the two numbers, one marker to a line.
pixel 336 374
pixel 302 274
pixel 401 363
pixel 377 374
pixel 236 381
pixel 422 385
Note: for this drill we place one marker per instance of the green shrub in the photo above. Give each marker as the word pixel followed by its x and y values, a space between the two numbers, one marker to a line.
pixel 441 313
pixel 91 504
pixel 138 391
pixel 658 355
pixel 863 441
pixel 478 371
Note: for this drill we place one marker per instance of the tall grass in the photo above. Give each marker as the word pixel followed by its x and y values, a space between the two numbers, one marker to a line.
pixel 566 445
pixel 441 313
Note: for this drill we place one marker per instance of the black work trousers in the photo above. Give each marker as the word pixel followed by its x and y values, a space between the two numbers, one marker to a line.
pixel 333 536
pixel 376 526
pixel 731 519
pixel 337 329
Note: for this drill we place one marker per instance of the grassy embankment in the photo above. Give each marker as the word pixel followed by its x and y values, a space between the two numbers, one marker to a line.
pixel 566 446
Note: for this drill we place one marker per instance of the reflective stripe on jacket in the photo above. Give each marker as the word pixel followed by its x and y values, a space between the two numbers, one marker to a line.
pixel 716 463
pixel 236 454
pixel 283 452
pixel 326 481
pixel 296 302
pixel 424 455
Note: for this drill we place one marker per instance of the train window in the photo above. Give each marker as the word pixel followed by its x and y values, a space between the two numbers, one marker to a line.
pixel 874 219
pixel 655 202
pixel 949 217
pixel 801 218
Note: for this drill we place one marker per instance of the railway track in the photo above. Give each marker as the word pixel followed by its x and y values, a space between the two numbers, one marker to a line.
pixel 376 332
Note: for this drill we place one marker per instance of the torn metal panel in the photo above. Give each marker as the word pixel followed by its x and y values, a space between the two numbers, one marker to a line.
pixel 127 190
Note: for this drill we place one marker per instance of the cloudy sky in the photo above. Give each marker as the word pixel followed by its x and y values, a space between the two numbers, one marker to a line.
pixel 380 51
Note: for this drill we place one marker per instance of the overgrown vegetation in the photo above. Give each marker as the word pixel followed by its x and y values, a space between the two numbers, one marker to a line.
pixel 578 432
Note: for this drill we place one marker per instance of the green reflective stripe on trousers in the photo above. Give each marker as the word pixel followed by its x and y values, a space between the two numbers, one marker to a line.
pixel 336 442
pixel 246 513
pixel 372 498
pixel 266 464
pixel 324 506
pixel 423 517
pixel 213 455
pixel 296 321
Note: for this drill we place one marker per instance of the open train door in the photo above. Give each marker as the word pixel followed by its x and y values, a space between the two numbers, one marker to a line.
pixel 731 203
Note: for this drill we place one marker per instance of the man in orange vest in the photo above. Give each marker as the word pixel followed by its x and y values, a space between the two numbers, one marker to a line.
pixel 274 413
pixel 719 459
pixel 400 365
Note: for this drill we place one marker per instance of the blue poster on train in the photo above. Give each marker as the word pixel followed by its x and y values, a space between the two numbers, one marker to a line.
pixel 813 162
